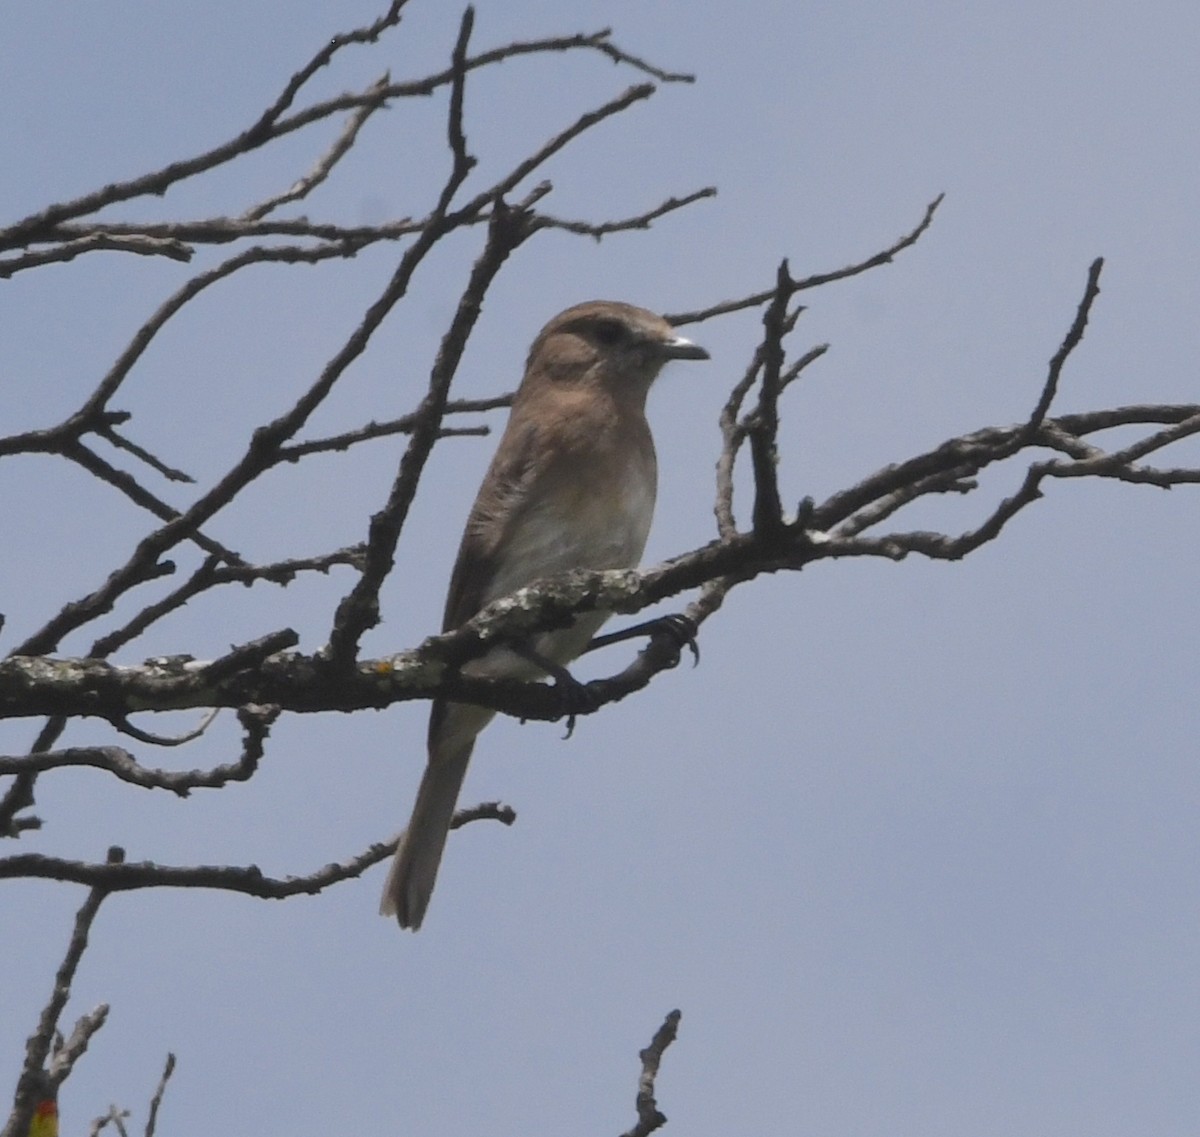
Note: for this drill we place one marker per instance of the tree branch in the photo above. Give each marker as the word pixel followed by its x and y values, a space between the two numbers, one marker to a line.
pixel 649 1116
pixel 120 876
pixel 37 1047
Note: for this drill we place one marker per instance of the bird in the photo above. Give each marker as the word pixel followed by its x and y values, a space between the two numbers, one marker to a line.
pixel 572 485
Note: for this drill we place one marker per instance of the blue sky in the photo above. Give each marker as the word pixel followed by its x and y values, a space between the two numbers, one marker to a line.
pixel 914 849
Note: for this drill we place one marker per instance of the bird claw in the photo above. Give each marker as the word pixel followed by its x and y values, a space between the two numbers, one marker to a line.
pixel 575 692
pixel 680 628
pixel 570 690
pixel 683 630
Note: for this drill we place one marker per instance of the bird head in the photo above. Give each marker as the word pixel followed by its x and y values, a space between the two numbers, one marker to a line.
pixel 616 346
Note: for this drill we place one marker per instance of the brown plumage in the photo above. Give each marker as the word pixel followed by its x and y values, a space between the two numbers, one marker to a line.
pixel 571 486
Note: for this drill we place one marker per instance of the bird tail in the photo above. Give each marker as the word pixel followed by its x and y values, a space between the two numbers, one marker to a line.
pixel 410 881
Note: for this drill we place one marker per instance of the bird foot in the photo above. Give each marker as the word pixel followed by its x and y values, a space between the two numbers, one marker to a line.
pixel 676 626
pixel 573 692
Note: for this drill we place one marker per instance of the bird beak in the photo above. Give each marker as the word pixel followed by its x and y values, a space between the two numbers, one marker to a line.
pixel 680 348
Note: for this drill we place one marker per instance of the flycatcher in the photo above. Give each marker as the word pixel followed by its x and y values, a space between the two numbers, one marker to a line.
pixel 572 486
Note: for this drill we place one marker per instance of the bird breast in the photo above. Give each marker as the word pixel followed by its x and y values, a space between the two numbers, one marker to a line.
pixel 587 524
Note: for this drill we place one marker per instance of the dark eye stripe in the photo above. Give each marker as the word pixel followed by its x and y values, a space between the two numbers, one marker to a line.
pixel 610 332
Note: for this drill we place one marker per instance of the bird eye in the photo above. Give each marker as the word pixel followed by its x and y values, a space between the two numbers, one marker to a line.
pixel 610 332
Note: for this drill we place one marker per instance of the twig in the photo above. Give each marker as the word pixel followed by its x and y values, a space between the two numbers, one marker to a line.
pixel 484 811
pixel 121 764
pixel 274 124
pixel 585 122
pixel 156 1100
pixel 763 428
pixel 403 425
pixel 97 242
pixel 325 164
pixel 74 1048
pixel 142 454
pixel 640 221
pixel 248 879
pixel 650 1118
pixel 211 574
pixel 264 130
pixel 733 433
pixel 114 1117
pixel 303 684
pixel 37 1047
pixel 116 876
pixel 225 230
pixel 124 726
pixel 359 609
pixel 463 163
pixel 755 299
pixel 1070 343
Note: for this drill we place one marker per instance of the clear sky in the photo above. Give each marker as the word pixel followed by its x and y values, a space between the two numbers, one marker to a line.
pixel 915 848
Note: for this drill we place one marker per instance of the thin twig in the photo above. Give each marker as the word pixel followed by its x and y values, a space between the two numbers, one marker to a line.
pixel 115 1117
pixel 121 764
pixel 273 124
pixel 160 1090
pixel 37 1047
pixel 640 221
pixel 755 299
pixel 248 880
pixel 325 164
pixel 650 1118
pixel 97 242
pixel 763 428
pixel 1070 342
pixel 359 609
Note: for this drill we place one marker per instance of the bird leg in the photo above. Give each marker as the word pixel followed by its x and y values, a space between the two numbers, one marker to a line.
pixel 571 689
pixel 682 629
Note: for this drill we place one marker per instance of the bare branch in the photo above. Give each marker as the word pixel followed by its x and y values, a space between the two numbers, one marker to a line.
pixel 211 574
pixel 110 435
pixel 763 428
pixel 359 610
pixel 140 244
pixel 160 1090
pixel 128 485
pixel 69 1052
pixel 484 811
pixel 1070 343
pixel 403 425
pixel 756 299
pixel 37 1047
pixel 114 1117
pixel 306 684
pixel 261 454
pixel 463 162
pixel 733 434
pixel 1091 422
pixel 649 1116
pixel 735 430
pixel 224 230
pixel 274 124
pixel 121 764
pixel 585 122
pixel 1097 461
pixel 40 225
pixel 249 879
pixel 124 726
pixel 325 164
pixel 641 221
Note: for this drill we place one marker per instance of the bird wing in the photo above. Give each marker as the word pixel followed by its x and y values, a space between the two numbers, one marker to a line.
pixel 501 504
pixel 504 498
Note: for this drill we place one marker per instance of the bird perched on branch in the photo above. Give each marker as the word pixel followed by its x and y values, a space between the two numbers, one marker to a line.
pixel 572 486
